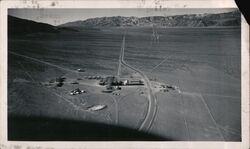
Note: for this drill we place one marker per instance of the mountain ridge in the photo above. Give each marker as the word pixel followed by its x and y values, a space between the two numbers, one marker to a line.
pixel 18 26
pixel 192 20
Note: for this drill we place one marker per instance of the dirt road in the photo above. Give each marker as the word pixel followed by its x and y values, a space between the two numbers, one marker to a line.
pixel 152 106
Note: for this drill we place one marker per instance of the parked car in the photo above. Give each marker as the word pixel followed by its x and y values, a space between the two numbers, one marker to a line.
pixel 77 91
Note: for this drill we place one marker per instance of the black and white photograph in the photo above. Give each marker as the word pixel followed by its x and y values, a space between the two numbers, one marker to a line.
pixel 130 74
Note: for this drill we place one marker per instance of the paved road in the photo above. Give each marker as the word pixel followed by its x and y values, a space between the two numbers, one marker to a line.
pixel 152 106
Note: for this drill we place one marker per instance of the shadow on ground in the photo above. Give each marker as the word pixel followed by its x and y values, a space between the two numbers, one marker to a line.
pixel 49 129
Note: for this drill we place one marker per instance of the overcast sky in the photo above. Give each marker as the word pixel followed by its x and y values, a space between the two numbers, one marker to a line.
pixel 60 16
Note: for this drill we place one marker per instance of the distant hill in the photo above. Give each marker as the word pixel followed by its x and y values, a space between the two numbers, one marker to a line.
pixel 193 20
pixel 17 26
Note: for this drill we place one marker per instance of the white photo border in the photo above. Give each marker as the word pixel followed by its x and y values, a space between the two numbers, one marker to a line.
pixel 42 4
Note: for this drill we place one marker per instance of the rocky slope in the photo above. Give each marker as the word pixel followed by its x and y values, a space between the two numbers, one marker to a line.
pixel 194 20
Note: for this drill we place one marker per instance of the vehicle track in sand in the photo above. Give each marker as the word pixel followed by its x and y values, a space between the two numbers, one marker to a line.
pixel 152 102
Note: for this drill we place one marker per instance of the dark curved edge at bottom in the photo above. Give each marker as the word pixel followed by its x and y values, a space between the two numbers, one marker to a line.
pixel 50 129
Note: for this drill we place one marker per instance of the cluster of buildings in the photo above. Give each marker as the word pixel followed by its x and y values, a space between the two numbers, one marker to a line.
pixel 112 83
